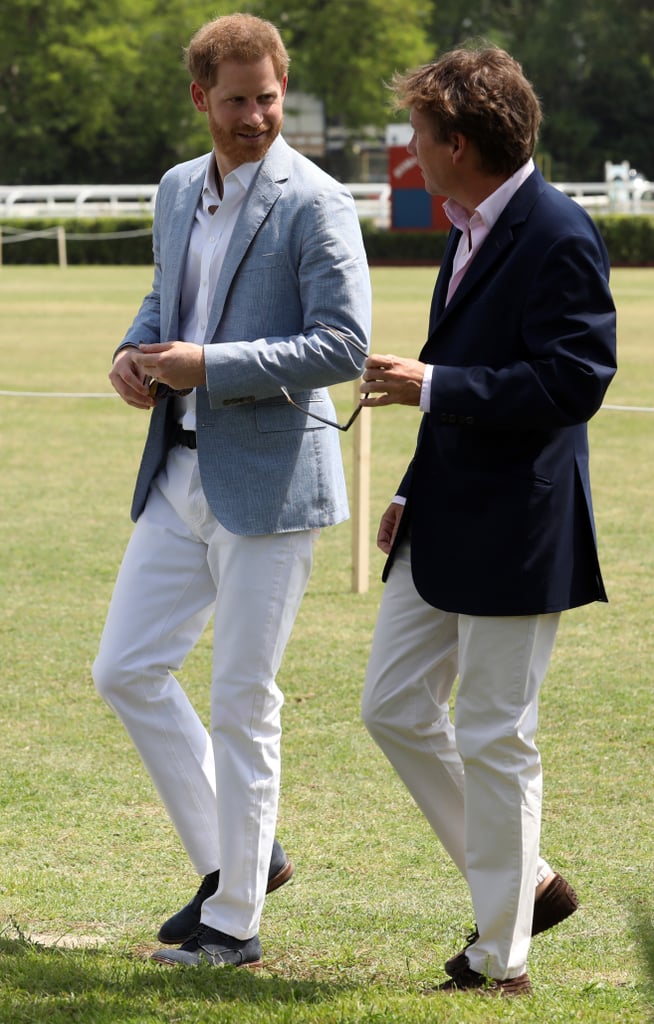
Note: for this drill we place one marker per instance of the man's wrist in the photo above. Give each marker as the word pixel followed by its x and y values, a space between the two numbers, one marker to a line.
pixel 121 348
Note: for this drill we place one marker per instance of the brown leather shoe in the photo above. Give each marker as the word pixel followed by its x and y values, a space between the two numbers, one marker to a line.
pixel 553 906
pixel 464 979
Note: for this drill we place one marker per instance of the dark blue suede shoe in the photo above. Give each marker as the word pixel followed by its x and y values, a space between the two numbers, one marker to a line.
pixel 184 924
pixel 208 945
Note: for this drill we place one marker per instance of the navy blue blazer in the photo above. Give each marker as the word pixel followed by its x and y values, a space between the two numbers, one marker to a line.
pixel 498 493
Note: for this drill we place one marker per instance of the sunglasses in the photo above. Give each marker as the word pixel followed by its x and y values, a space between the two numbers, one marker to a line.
pixel 341 337
pixel 321 419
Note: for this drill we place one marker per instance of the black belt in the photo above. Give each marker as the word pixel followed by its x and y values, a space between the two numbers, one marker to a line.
pixel 186 438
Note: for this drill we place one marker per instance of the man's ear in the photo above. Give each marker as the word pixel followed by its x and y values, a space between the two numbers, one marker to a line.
pixel 458 144
pixel 199 97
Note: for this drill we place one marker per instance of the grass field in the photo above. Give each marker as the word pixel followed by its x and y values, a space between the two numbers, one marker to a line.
pixel 90 864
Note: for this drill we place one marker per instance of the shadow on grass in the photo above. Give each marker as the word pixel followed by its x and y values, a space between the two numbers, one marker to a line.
pixel 105 985
pixel 643 926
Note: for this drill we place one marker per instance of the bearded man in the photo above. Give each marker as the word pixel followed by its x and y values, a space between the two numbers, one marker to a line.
pixel 260 283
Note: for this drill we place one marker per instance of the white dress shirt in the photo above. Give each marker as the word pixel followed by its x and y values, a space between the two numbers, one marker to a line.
pixel 214 223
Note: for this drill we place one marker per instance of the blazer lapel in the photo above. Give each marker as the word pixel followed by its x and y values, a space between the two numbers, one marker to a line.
pixel 262 196
pixel 500 237
pixel 498 241
pixel 443 278
pixel 186 202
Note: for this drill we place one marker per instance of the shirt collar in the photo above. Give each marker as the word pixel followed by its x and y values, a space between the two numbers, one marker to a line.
pixel 243 175
pixel 488 211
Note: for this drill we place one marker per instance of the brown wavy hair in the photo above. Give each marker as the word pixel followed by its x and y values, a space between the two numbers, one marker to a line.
pixel 238 37
pixel 481 93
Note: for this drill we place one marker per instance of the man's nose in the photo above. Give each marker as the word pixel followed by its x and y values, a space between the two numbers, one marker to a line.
pixel 254 114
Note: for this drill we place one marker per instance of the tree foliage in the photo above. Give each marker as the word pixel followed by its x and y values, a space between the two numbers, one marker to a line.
pixel 345 50
pixel 591 63
pixel 92 92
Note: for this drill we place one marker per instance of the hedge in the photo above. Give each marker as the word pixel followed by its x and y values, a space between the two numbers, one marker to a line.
pixel 88 240
pixel 629 240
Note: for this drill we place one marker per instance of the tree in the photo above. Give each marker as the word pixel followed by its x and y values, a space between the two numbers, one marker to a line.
pixel 591 63
pixel 345 51
pixel 91 92
pixel 97 92
pixel 618 87
pixel 94 92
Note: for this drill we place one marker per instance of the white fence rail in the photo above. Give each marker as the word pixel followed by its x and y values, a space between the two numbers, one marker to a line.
pixel 373 201
pixel 75 200
pixel 611 197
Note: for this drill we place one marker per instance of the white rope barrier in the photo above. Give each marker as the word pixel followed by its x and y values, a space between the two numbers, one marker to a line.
pixel 16 235
pixel 360 484
pixel 58 394
pixel 628 408
pixel 112 394
pixel 10 234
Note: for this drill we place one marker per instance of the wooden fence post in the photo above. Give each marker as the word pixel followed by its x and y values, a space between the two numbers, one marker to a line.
pixel 361 499
pixel 61 246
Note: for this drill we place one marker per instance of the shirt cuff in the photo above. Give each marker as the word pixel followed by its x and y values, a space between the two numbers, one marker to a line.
pixel 425 390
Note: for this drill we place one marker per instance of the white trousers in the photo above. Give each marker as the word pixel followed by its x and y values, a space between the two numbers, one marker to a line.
pixel 221 790
pixel 478 781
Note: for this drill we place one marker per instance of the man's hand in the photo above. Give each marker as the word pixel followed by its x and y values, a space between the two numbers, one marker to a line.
pixel 395 381
pixel 179 364
pixel 126 376
pixel 388 526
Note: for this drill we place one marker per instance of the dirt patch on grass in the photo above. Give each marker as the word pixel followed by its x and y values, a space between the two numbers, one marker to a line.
pixel 65 940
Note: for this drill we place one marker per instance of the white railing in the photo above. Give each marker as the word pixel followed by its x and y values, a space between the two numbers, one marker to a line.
pixel 75 200
pixel 25 201
pixel 373 199
pixel 373 202
pixel 611 196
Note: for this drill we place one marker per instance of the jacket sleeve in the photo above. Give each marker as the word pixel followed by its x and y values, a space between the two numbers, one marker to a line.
pixel 146 326
pixel 325 278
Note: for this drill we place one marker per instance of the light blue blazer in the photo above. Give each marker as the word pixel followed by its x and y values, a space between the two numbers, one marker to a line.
pixel 295 261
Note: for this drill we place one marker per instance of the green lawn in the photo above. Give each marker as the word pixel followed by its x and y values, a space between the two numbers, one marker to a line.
pixel 90 864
